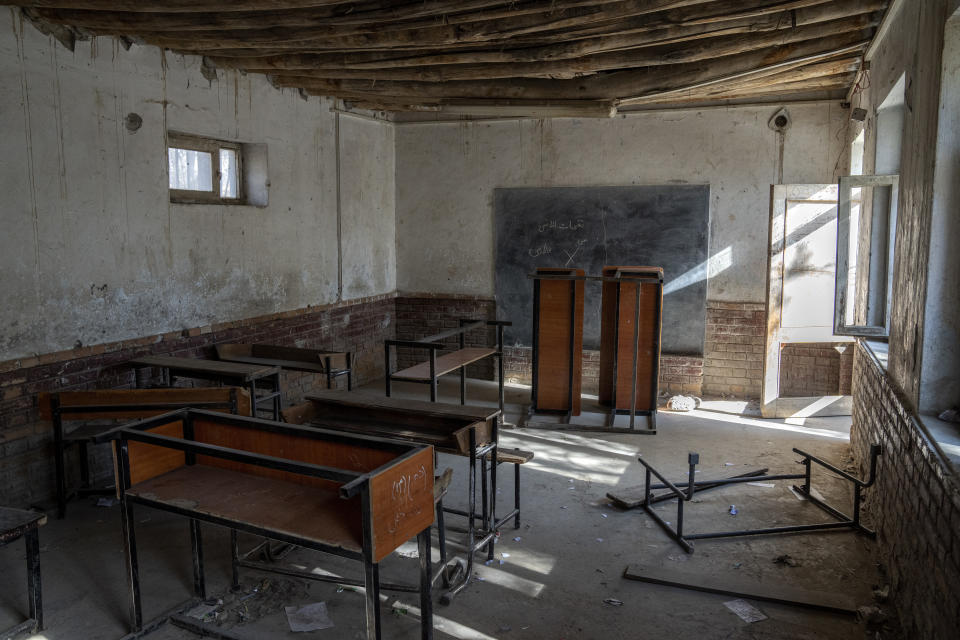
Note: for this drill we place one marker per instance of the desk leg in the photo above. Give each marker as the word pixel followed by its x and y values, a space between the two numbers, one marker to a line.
pixel 371 586
pixel 492 515
pixel 277 400
pixel 133 571
pixel 471 522
pixel 196 544
pixel 426 582
pixel 32 538
pixel 234 560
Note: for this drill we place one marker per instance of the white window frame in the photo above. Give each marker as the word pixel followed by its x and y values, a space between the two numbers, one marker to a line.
pixel 176 140
pixel 847 184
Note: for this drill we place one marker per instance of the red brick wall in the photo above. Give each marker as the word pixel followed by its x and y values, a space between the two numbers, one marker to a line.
pixel 678 374
pixel 25 441
pixel 815 369
pixel 734 349
pixel 914 505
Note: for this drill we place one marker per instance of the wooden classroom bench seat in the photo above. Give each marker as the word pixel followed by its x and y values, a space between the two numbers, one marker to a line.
pixel 352 496
pixel 429 371
pixel 101 409
pixel 331 364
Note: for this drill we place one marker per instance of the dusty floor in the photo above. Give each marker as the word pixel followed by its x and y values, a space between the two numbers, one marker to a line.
pixel 567 557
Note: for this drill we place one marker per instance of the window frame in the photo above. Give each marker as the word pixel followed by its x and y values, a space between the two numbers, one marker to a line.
pixel 191 142
pixel 846 186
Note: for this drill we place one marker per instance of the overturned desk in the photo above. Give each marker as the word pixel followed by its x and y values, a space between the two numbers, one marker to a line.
pixel 263 381
pixel 461 430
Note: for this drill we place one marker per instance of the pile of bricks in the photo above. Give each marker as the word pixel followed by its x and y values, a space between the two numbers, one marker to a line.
pixel 915 505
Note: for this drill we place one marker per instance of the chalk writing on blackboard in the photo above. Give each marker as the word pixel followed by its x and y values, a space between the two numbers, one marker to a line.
pixel 571 256
pixel 561 225
pixel 541 250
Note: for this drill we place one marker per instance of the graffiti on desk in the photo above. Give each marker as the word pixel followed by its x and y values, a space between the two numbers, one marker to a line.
pixel 402 495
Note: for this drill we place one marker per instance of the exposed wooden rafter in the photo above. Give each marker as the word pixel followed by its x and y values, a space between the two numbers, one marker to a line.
pixel 462 56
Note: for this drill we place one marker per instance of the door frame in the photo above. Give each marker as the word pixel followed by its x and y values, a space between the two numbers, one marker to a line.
pixel 771 404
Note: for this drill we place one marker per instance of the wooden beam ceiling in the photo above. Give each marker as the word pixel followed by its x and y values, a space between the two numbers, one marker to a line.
pixel 467 55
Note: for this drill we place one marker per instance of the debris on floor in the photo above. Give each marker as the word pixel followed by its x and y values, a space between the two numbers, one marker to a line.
pixel 787 560
pixel 683 403
pixel 871 616
pixel 746 611
pixel 311 617
pixel 733 510
pixel 613 602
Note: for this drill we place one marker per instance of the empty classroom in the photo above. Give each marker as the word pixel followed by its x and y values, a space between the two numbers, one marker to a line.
pixel 479 319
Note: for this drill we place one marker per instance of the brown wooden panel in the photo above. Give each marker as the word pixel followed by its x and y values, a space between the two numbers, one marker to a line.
pixel 352 457
pixel 445 364
pixel 149 461
pixel 299 413
pixel 552 367
pixel 401 499
pixel 119 398
pixel 311 512
pixel 201 366
pixel 294 358
pixel 648 347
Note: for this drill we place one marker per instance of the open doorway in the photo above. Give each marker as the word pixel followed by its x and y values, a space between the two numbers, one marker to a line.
pixel 806 368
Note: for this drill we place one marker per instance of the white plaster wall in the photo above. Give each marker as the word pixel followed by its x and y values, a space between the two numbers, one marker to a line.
pixel 91 250
pixel 940 377
pixel 446 174
pixel 367 195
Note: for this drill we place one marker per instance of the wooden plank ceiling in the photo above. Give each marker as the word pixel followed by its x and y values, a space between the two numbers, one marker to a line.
pixel 589 57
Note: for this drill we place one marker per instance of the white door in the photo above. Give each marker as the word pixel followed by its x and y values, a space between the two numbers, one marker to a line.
pixel 803 251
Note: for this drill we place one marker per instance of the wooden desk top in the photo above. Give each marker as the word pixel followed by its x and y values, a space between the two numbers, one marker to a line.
pixel 313 513
pixel 445 426
pixel 219 368
pixel 442 409
pixel 15 522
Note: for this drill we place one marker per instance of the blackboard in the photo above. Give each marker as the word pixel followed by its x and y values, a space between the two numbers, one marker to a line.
pixel 591 227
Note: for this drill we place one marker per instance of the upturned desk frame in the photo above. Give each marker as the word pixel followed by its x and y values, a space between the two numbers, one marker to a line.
pixel 619 278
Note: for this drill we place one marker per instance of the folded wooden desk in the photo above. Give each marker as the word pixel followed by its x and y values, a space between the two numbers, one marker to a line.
pixel 241 374
pixel 348 495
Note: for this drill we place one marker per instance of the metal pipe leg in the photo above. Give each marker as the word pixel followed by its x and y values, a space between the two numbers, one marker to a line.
pixel 84 465
pixel 484 496
pixel 234 560
pixel 133 570
pixel 59 452
pixel 196 544
pixel 426 582
pixel 32 538
pixel 516 495
pixel 442 543
pixel 371 585
pixel 463 385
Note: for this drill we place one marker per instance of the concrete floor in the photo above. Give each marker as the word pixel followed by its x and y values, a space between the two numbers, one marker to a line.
pixel 557 569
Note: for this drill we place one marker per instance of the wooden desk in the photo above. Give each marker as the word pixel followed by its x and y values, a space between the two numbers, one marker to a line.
pixel 242 374
pixel 458 429
pixel 15 523
pixel 114 405
pixel 352 496
pixel 331 364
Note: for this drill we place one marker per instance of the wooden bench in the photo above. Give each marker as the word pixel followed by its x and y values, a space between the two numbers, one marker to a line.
pixel 331 364
pixel 516 457
pixel 113 405
pixel 351 496
pixel 429 372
